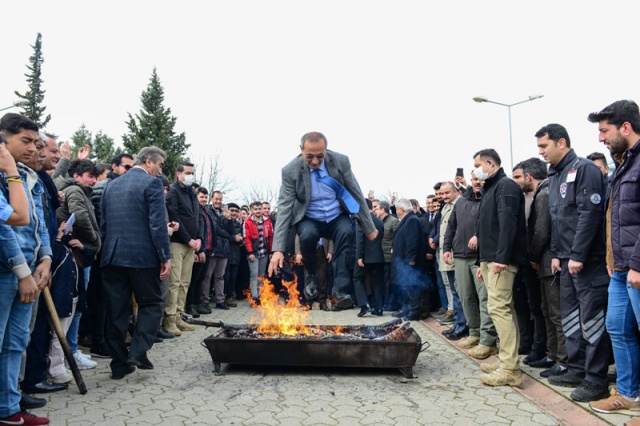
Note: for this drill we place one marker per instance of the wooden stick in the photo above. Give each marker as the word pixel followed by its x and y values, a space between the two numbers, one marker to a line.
pixel 55 322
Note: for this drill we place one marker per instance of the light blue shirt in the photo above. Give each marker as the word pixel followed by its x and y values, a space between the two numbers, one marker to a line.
pixel 323 205
pixel 5 209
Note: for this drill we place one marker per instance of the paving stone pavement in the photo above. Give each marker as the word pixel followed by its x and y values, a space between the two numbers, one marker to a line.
pixel 183 390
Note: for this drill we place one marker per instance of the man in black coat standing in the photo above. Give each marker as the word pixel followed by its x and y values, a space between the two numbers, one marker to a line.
pixel 369 262
pixel 502 249
pixel 409 261
pixel 135 258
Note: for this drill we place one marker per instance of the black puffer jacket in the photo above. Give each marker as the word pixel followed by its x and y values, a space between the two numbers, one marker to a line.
pixel 462 226
pixel 502 230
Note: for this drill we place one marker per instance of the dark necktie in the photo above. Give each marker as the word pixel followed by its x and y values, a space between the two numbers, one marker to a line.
pixel 340 191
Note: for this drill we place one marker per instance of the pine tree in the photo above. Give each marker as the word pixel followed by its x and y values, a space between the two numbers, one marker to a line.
pixel 154 125
pixel 80 138
pixel 33 98
pixel 103 148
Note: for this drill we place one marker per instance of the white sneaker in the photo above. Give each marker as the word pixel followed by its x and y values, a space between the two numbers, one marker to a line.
pixel 83 363
pixel 82 354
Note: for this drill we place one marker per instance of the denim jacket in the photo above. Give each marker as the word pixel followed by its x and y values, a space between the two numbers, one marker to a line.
pixel 24 246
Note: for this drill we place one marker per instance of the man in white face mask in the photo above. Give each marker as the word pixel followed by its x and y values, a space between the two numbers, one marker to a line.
pixel 502 249
pixel 183 208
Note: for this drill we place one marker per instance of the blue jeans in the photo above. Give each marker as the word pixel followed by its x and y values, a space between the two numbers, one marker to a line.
pixel 14 337
pixel 442 291
pixel 459 320
pixel 623 320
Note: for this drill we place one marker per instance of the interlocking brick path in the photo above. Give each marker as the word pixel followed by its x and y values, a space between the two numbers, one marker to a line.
pixel 183 390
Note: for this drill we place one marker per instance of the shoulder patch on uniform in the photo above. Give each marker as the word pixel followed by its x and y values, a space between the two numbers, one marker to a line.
pixel 595 199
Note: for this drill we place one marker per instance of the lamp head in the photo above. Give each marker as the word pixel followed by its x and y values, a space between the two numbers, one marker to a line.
pixel 480 99
pixel 534 97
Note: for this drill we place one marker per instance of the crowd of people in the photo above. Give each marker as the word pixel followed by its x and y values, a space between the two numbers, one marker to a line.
pixel 540 264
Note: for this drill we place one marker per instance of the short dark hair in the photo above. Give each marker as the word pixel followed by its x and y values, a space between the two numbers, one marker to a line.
pixel 12 124
pixel 256 203
pixel 518 166
pixel 100 168
pixel 534 167
pixel 81 167
pixel 555 132
pixel 437 186
pixel 202 190
pixel 594 156
pixel 117 160
pixel 182 165
pixel 313 137
pixel 490 154
pixel 618 113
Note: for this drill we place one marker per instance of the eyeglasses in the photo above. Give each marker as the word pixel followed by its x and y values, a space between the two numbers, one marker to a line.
pixel 312 156
pixel 127 166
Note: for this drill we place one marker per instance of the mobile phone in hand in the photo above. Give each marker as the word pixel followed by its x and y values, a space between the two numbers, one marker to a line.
pixel 70 222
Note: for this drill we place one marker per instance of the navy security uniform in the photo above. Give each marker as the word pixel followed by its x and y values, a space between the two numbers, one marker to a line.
pixel 576 204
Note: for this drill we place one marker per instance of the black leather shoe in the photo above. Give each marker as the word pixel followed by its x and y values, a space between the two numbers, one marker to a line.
pixel 164 335
pixel 28 402
pixel 448 331
pixel 158 339
pixel 457 335
pixel 142 362
pixel 555 370
pixel 542 363
pixel 377 312
pixel 120 375
pixel 100 351
pixel 323 306
pixel 566 379
pixel 310 287
pixel 533 357
pixel 45 386
pixel 364 310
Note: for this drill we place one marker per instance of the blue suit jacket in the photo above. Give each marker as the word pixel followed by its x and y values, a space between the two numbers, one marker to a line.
pixel 134 222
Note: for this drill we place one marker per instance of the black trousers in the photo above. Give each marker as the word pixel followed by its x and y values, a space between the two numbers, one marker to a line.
pixel 583 306
pixel 341 231
pixel 119 284
pixel 97 307
pixel 376 273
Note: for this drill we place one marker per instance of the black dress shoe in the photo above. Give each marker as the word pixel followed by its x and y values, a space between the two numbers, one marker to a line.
pixel 542 363
pixel 364 310
pixel 448 331
pixel 555 370
pixel 100 351
pixel 28 402
pixel 457 335
pixel 45 386
pixel 323 306
pixel 119 375
pixel 310 287
pixel 377 312
pixel 142 362
pixel 533 357
pixel 164 335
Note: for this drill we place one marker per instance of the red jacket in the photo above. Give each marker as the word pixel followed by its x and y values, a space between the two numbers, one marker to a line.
pixel 251 234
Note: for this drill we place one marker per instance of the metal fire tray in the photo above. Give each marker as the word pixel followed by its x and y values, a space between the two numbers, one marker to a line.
pixel 374 352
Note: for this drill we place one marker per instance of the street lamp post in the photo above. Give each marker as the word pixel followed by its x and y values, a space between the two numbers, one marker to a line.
pixel 481 99
pixel 16 104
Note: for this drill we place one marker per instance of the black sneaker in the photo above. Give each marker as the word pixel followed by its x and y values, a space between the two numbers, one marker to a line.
pixel 566 379
pixel 588 392
pixel 101 351
pixel 534 356
pixel 222 306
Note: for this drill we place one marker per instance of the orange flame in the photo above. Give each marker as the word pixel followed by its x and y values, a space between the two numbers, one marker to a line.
pixel 274 316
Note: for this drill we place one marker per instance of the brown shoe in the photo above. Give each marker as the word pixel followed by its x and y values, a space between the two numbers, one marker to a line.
pixel 469 342
pixel 616 404
pixel 489 367
pixel 169 325
pixel 183 326
pixel 482 351
pixel 502 377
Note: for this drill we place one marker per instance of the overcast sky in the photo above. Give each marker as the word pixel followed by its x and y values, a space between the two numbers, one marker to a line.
pixel 390 83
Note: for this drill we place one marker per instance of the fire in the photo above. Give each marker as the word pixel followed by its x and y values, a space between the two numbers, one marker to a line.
pixel 277 317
